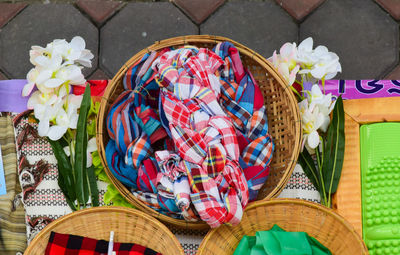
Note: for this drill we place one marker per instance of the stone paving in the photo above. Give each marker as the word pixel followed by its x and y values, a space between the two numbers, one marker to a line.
pixel 364 33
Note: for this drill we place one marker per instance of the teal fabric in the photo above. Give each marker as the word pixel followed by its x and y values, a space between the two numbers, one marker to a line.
pixel 277 241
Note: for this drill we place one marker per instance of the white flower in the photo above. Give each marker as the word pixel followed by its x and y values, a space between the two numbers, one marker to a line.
pixel 91 147
pixel 48 67
pixel 324 104
pixel 41 98
pixel 285 62
pixel 317 64
pixel 311 121
pixel 71 74
pixel 57 64
pixel 53 112
pixel 31 78
pixel 35 52
pixel 327 67
pixel 289 76
pixel 305 54
pixel 74 52
pixel 45 113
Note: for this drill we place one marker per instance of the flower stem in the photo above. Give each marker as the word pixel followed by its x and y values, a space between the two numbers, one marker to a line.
pixel 323 196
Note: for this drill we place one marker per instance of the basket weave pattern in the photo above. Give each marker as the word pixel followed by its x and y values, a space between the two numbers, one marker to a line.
pixel 129 225
pixel 282 112
pixel 322 223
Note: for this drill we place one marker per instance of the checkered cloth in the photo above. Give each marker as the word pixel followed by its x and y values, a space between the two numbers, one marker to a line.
pixel 243 102
pixel 60 244
pixel 205 140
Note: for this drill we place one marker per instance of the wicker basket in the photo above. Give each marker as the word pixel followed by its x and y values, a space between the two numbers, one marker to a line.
pixel 129 226
pixel 282 111
pixel 327 227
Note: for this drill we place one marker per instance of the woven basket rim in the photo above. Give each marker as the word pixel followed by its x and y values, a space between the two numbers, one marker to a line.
pixel 103 209
pixel 294 202
pixel 184 40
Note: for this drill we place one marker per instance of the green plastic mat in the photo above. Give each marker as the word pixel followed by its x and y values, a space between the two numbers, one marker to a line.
pixel 380 182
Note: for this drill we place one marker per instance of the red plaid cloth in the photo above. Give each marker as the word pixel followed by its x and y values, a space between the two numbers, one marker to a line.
pixel 203 135
pixel 60 244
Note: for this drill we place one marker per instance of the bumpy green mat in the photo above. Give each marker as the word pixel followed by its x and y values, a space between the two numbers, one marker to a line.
pixel 380 182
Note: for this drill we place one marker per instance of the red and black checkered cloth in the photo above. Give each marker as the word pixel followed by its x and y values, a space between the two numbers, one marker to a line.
pixel 78 245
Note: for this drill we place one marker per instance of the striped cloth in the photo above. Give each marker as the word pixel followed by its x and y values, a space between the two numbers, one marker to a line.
pixel 12 214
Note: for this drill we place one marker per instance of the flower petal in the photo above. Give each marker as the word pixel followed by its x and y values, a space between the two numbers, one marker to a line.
pixel 53 83
pixel 91 146
pixel 56 132
pixel 34 100
pixel 89 160
pixel 306 45
pixel 325 124
pixel 318 72
pixel 313 139
pixel 77 43
pixel 67 151
pixel 27 90
pixel 43 76
pixel 43 127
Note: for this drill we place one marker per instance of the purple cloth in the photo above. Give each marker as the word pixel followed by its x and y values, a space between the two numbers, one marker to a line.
pixel 355 89
pixel 11 99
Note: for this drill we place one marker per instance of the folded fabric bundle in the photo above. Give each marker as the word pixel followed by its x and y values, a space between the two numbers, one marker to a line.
pixel 60 244
pixel 277 241
pixel 189 135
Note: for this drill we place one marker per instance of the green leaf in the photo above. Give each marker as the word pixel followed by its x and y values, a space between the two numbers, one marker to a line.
pixel 65 175
pixel 309 168
pixel 334 149
pixel 94 192
pixel 86 189
pixel 80 148
pixel 91 127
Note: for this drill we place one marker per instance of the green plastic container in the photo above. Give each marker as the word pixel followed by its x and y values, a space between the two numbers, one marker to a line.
pixel 380 184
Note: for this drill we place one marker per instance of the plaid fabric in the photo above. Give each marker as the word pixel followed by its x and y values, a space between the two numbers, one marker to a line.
pixel 173 183
pixel 207 104
pixel 78 245
pixel 243 102
pixel 200 128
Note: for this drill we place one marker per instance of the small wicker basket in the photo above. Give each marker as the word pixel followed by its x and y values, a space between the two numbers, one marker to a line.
pixel 129 226
pixel 282 111
pixel 333 231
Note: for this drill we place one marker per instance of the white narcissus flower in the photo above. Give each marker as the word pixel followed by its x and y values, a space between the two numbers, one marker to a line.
pixel 289 76
pixel 311 121
pixel 71 74
pixel 48 67
pixel 31 78
pixel 305 54
pixel 317 64
pixel 324 104
pixel 65 119
pixel 285 62
pixel 53 112
pixel 78 53
pixel 57 64
pixel 74 52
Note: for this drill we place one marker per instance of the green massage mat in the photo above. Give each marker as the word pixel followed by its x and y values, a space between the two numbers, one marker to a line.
pixel 380 182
